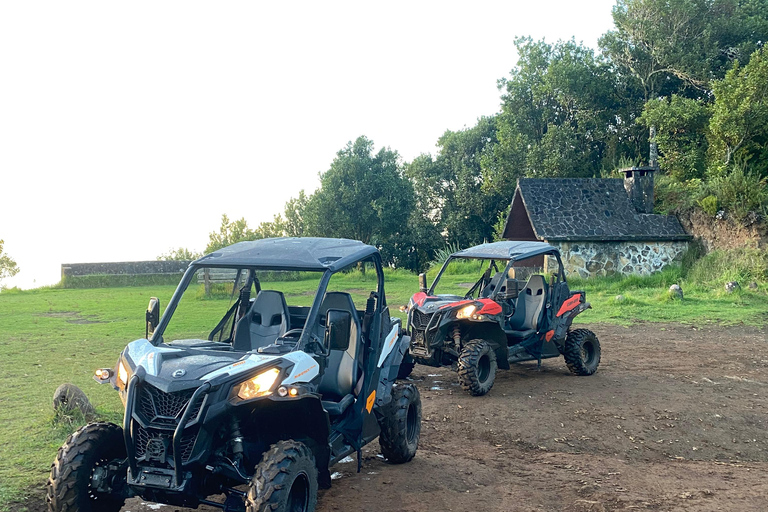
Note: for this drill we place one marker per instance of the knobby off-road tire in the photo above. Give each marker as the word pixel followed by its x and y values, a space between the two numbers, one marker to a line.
pixel 69 486
pixel 582 352
pixel 477 367
pixel 285 480
pixel 400 424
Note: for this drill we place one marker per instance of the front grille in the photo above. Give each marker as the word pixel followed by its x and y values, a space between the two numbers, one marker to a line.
pixel 142 437
pixel 420 320
pixel 155 403
pixel 161 412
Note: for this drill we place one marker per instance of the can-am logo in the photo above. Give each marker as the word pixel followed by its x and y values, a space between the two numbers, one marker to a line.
pixel 179 373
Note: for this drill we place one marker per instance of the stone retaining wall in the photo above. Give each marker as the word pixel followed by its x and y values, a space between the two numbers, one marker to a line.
pixel 588 259
pixel 124 267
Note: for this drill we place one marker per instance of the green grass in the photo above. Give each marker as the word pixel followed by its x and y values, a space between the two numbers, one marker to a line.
pixel 53 335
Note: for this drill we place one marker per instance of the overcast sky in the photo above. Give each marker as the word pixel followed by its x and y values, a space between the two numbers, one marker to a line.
pixel 128 129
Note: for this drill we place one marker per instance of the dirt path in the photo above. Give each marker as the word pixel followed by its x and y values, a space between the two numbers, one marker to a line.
pixel 675 419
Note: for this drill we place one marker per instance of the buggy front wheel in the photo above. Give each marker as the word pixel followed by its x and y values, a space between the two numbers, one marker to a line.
pixel 82 476
pixel 285 480
pixel 477 367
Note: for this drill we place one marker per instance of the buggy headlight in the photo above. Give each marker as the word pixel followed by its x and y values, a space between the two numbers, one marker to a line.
pixel 466 311
pixel 259 385
pixel 122 374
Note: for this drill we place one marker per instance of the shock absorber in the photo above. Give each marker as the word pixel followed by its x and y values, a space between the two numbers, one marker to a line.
pixel 236 441
pixel 457 336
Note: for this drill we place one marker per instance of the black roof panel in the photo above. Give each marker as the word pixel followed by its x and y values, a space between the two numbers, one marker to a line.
pixel 290 254
pixel 505 250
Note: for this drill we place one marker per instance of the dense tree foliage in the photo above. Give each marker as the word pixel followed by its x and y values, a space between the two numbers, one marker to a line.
pixel 695 72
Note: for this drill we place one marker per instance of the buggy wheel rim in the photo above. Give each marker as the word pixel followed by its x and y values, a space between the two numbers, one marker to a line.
pixel 411 424
pixel 483 368
pixel 298 496
pixel 587 352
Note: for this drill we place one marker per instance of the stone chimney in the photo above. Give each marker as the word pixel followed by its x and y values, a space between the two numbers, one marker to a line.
pixel 638 182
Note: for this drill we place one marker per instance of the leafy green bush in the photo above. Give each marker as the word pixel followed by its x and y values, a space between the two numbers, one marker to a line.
pixel 709 204
pixel 740 192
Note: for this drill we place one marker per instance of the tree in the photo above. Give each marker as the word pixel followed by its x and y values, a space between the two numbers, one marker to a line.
pixel 180 254
pixel 449 187
pixel 564 114
pixel 293 223
pixel 8 267
pixel 739 126
pixel 230 232
pixel 363 197
pixel 681 134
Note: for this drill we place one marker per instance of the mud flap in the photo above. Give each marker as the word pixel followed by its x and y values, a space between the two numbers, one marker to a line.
pixel 564 319
pixel 389 369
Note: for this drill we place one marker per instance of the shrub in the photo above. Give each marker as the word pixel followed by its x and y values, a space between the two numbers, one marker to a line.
pixel 741 192
pixel 709 204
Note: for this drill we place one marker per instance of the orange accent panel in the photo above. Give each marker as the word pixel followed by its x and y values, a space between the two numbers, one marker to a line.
pixel 569 304
pixel 490 307
pixel 369 402
pixel 549 335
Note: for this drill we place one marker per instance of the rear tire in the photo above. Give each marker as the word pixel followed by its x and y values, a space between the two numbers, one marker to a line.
pixel 285 480
pixel 84 452
pixel 477 367
pixel 400 423
pixel 582 352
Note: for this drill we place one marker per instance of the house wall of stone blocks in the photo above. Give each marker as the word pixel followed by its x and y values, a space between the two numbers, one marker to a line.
pixel 589 259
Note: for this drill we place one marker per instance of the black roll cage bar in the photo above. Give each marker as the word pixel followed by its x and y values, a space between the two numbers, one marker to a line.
pixel 157 337
pixel 511 262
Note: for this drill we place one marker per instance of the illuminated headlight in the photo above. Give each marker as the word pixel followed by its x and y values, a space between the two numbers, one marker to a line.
pixel 122 374
pixel 260 385
pixel 466 311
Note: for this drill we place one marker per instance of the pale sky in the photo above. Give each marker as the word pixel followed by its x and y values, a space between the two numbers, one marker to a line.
pixel 128 129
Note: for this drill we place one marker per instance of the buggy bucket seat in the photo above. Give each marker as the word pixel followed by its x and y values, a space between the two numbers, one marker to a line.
pixel 341 375
pixel 267 320
pixel 530 305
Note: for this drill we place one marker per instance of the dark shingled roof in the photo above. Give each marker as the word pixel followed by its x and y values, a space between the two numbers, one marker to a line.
pixel 589 209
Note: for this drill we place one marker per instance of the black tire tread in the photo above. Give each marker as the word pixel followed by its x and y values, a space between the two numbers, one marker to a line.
pixel 272 473
pixel 468 364
pixel 67 487
pixel 393 422
pixel 572 352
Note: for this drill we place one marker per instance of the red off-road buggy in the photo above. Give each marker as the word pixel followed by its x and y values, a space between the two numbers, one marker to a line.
pixel 510 314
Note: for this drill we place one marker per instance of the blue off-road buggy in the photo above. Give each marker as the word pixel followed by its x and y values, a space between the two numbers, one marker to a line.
pixel 266 399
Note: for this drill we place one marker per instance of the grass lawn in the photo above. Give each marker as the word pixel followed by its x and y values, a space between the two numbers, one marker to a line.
pixel 52 336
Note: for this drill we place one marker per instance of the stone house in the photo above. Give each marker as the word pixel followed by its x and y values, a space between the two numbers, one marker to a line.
pixel 601 226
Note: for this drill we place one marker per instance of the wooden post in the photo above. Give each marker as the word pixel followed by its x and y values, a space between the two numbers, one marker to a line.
pixel 207 281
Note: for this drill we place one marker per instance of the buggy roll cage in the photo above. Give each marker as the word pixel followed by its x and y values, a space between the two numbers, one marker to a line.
pixel 189 275
pixel 476 253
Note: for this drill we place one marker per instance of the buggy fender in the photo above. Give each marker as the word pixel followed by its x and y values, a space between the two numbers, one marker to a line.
pixel 389 369
pixel 493 334
pixel 563 323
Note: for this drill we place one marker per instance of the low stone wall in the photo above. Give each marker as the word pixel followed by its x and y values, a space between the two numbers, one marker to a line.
pixel 588 259
pixel 124 268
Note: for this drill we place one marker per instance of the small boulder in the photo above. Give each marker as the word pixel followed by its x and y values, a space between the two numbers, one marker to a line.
pixel 731 286
pixel 753 285
pixel 675 292
pixel 68 398
pixel 620 298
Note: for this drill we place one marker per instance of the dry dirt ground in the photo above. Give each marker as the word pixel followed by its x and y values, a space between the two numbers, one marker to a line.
pixel 676 418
